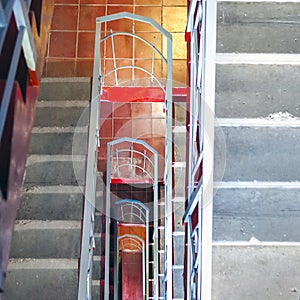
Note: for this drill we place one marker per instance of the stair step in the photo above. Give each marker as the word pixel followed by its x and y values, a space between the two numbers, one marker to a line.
pixel 46 239
pixel 58 140
pixel 179 142
pixel 55 170
pixel 63 113
pixel 70 88
pixel 46 278
pixel 260 153
pixel 246 27
pixel 256 272
pixel 257 90
pixel 264 213
pixel 51 203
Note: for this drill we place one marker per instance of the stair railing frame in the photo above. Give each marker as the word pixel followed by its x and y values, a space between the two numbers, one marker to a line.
pixel 168 280
pixel 109 214
pixel 145 245
pixel 201 23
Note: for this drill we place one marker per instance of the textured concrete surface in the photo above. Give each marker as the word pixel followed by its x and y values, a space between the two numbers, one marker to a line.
pixel 250 27
pixel 262 154
pixel 45 279
pixel 49 204
pixel 256 272
pixel 255 91
pixel 72 88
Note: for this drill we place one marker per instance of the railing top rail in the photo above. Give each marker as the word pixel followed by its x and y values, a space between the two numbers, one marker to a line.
pixel 130 16
pixel 132 140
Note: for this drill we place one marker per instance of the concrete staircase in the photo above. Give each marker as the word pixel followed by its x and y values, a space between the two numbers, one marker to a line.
pixel 256 207
pixel 46 242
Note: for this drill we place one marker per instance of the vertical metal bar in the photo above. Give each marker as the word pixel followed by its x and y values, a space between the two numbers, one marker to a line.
pixel 117 163
pixel 147 254
pixel 107 226
pixel 90 179
pixel 168 184
pixel 144 163
pixel 152 62
pixel 208 148
pixel 155 208
pixel 133 49
pixel 114 58
pixel 116 254
pixel 131 157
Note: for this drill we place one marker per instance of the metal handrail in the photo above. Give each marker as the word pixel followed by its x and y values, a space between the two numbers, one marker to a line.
pixel 201 34
pixel 24 42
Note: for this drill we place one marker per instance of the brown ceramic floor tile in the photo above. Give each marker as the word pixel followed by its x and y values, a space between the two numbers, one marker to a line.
pixel 174 13
pixel 66 1
pixel 62 44
pixel 93 2
pixel 122 128
pixel 88 15
pixel 84 67
pixel 158 110
pixel 141 109
pixel 122 24
pixel 86 42
pixel 158 127
pixel 141 128
pixel 180 71
pixel 179 46
pixel 106 109
pixel 148 2
pixel 60 68
pixel 64 17
pixel 153 13
pixel 142 50
pixel 122 47
pixel 105 128
pixel 122 110
pixel 122 2
pixel 174 2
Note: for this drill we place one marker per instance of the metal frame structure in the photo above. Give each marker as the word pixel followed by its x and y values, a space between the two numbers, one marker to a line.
pixel 143 216
pixel 201 35
pixel 154 179
pixel 93 143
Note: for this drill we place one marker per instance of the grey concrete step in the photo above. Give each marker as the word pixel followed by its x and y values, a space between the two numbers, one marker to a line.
pixel 179 142
pixel 261 153
pixel 266 213
pixel 37 279
pixel 46 239
pixel 69 88
pixel 60 113
pixel 250 27
pixel 58 140
pixel 256 272
pixel 51 203
pixel 55 170
pixel 254 91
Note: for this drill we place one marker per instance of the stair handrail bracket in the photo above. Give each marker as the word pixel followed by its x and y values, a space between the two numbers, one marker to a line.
pixel 201 36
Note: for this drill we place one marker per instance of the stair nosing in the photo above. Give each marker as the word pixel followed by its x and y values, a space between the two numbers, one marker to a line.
pixel 23 225
pixel 42 263
pixel 257 185
pixel 258 58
